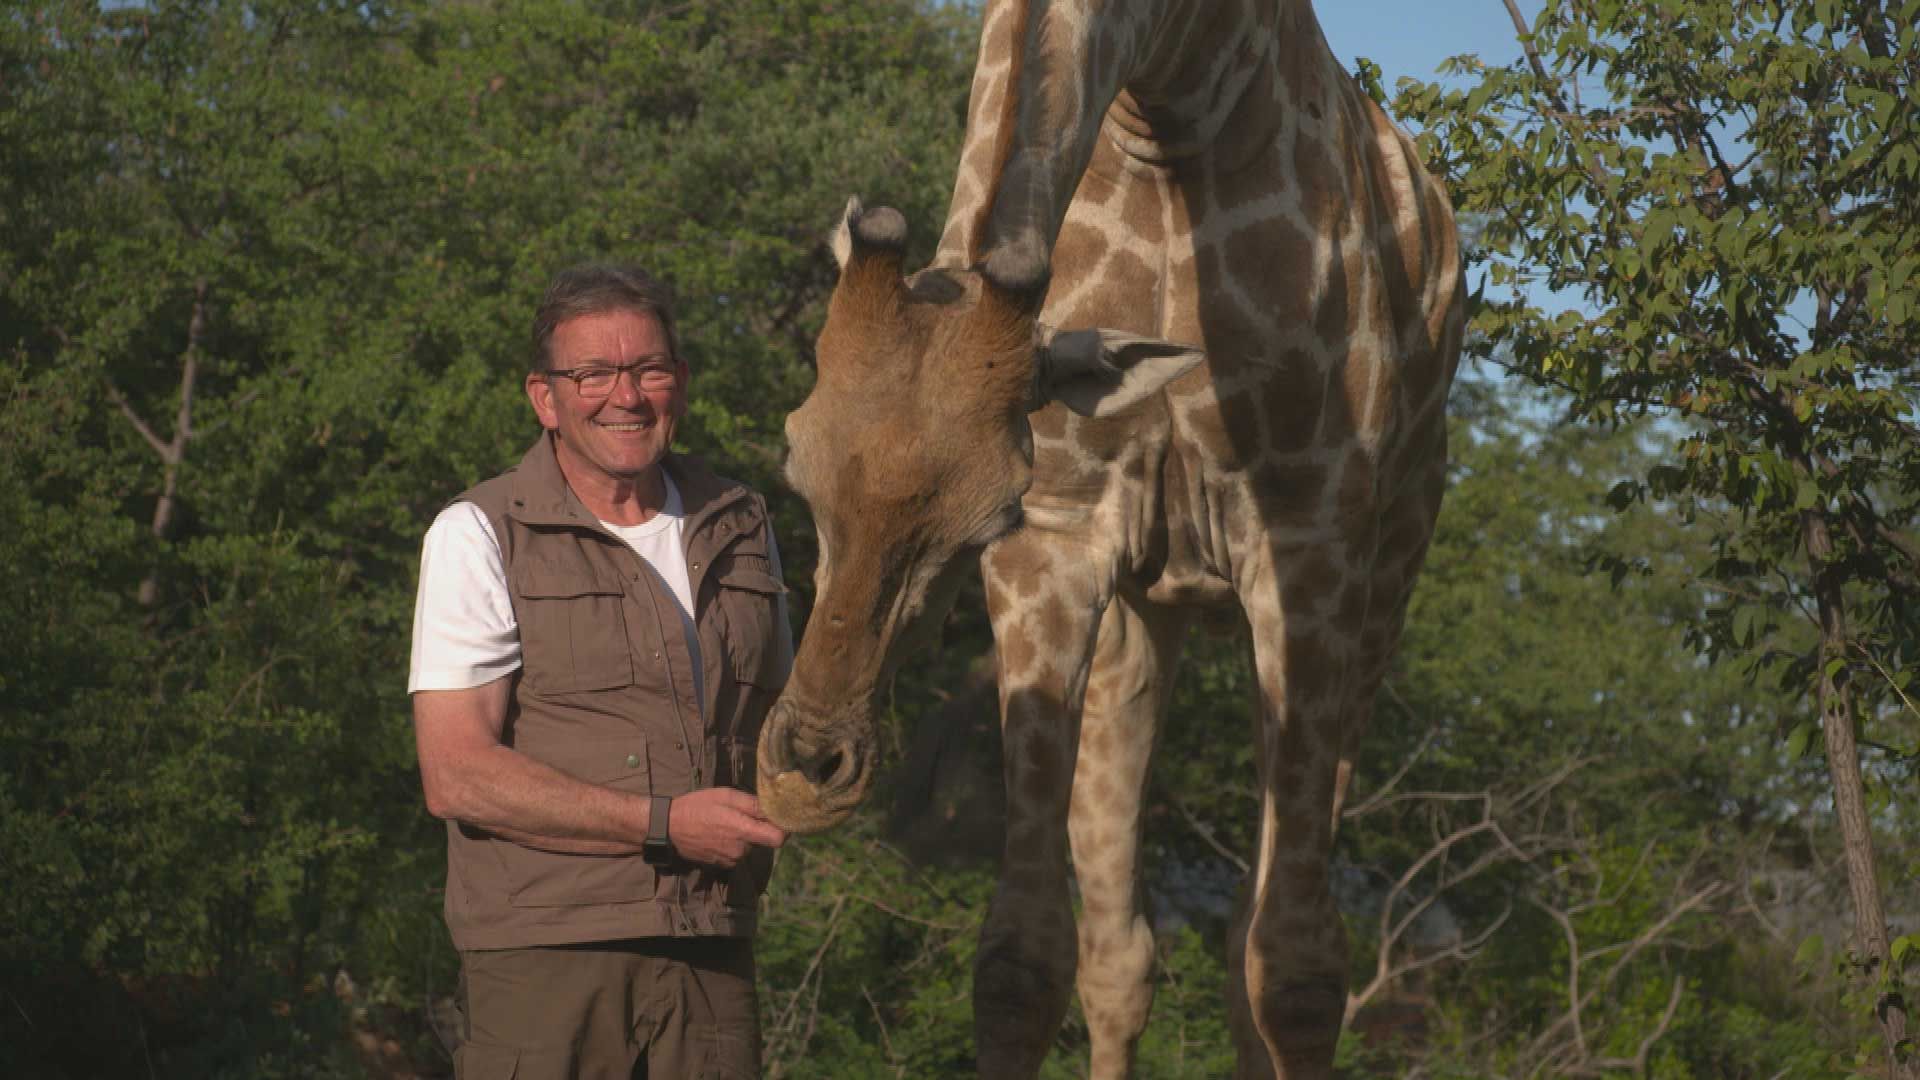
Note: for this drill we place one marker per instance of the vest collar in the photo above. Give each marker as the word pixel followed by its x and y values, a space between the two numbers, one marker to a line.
pixel 539 494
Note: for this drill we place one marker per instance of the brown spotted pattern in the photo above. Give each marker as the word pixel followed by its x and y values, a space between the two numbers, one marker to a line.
pixel 1196 171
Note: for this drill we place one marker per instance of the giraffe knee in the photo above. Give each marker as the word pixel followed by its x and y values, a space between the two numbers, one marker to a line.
pixel 1020 992
pixel 1303 1015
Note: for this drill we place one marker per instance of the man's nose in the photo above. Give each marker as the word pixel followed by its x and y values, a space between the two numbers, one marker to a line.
pixel 626 390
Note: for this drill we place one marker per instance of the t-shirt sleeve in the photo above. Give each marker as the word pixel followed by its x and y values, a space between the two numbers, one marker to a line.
pixel 783 625
pixel 464 632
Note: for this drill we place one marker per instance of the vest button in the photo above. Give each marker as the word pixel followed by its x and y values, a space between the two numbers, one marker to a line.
pixel 633 761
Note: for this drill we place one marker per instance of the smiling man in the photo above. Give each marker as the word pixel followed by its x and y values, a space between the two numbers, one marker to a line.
pixel 598 635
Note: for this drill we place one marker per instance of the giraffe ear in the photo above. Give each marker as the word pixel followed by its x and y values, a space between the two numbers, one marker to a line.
pixel 860 232
pixel 840 240
pixel 1100 372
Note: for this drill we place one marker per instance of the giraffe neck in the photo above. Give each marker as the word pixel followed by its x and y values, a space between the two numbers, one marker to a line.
pixel 1047 72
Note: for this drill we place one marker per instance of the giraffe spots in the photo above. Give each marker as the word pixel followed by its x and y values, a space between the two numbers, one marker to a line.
pixel 1040 780
pixel 1282 254
pixel 1017 653
pixel 1288 489
pixel 1079 252
pixel 1336 316
pixel 1292 396
pixel 1128 274
pixel 1092 788
pixel 1057 622
pixel 1091 844
pixel 1018 566
pixel 1289 774
pixel 1356 483
pixel 1353 602
pixel 1312 672
pixel 1322 185
pixel 1304 597
pixel 1101 441
pixel 1212 431
pixel 1295 830
pixel 1365 387
pixel 1142 212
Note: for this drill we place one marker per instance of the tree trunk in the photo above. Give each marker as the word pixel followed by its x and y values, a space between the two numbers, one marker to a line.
pixel 1849 790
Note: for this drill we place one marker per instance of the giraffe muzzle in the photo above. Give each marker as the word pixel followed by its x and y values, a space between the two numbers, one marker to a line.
pixel 814 770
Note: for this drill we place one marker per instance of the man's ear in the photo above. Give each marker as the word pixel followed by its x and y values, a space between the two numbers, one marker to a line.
pixel 1100 372
pixel 540 395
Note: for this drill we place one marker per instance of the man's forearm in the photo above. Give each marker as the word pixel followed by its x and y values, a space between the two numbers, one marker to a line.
pixel 564 845
pixel 505 792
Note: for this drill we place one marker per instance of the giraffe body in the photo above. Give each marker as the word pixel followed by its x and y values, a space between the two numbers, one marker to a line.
pixel 1191 172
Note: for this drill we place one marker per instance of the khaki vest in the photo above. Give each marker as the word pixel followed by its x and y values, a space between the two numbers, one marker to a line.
pixel 605 693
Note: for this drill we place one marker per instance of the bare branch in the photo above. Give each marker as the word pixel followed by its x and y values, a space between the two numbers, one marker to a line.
pixel 119 399
pixel 783 1023
pixel 1201 830
pixel 1375 801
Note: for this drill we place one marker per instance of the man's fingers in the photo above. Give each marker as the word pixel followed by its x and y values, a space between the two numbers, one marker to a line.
pixel 745 802
pixel 758 830
pixel 766 834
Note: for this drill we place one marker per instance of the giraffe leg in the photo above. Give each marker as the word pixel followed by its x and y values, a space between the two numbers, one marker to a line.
pixel 1127 691
pixel 1307 615
pixel 1044 639
pixel 1404 536
pixel 1323 633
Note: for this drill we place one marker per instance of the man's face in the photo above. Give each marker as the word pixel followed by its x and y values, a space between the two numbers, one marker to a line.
pixel 628 432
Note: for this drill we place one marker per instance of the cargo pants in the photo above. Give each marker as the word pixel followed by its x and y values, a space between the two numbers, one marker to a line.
pixel 646 1009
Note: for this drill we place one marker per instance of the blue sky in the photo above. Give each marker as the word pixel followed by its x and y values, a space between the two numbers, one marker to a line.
pixel 1412 37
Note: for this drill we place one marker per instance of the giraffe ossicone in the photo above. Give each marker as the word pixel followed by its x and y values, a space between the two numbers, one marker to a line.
pixel 1184 348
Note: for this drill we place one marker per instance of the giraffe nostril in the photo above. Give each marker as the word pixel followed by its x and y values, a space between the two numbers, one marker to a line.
pixel 823 768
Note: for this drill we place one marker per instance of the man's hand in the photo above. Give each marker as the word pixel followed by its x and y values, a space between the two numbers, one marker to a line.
pixel 716 826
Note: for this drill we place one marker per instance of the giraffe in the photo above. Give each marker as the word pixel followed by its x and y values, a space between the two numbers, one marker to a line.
pixel 1184 346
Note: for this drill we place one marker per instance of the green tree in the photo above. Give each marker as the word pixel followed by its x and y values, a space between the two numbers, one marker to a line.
pixel 1550 773
pixel 1729 214
pixel 265 271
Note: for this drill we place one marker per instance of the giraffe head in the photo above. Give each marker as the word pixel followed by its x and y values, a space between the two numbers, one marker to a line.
pixel 913 451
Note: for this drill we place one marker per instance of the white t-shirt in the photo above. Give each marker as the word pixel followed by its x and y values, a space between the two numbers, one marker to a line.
pixel 464 632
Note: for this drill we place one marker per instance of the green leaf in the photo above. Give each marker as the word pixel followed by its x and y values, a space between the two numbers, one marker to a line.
pixel 1799 740
pixel 1904 946
pixel 1809 952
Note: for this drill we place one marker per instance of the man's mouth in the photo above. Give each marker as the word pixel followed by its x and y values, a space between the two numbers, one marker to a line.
pixel 629 428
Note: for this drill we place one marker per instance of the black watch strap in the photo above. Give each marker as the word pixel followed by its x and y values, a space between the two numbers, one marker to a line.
pixel 658 845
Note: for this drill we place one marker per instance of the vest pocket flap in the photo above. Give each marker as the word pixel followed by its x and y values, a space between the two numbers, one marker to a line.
pixel 546 583
pixel 620 762
pixel 744 537
pixel 752 579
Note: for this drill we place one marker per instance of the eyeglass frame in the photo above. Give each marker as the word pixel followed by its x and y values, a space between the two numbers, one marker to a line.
pixel 639 369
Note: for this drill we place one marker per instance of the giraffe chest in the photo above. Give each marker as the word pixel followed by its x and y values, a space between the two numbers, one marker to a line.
pixel 1282 429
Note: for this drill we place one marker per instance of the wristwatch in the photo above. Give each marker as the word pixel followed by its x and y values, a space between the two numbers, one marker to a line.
pixel 657 847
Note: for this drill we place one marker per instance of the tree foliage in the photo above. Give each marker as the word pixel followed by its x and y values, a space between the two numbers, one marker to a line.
pixel 265 270
pixel 1703 211
pixel 264 284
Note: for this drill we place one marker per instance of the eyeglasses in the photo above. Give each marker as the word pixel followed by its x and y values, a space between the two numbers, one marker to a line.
pixel 596 381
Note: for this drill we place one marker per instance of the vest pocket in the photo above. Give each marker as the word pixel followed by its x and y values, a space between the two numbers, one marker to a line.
pixel 538 878
pixel 573 633
pixel 749 598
